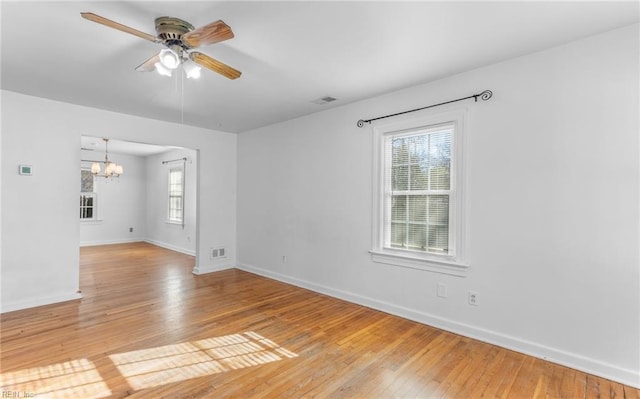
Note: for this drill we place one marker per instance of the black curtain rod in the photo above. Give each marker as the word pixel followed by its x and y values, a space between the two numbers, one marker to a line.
pixel 485 95
pixel 175 160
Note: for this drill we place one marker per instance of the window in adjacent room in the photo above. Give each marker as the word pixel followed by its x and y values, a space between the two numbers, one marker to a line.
pixel 176 195
pixel 419 212
pixel 88 196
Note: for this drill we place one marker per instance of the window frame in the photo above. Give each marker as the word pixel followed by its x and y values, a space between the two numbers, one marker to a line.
pixel 170 196
pixel 456 261
pixel 93 194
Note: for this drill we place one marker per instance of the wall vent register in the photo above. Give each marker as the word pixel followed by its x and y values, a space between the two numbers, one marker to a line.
pixel 218 253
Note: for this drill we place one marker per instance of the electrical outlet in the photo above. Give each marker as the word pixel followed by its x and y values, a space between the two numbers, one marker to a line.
pixel 284 258
pixel 441 290
pixel 130 229
pixel 473 298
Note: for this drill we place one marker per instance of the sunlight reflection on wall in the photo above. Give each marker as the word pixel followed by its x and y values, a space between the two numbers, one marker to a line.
pixel 172 363
pixel 73 379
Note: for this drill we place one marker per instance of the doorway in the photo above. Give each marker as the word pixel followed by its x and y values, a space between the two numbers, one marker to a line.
pixel 154 199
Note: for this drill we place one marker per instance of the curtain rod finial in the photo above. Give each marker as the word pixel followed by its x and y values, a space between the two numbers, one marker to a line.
pixel 485 95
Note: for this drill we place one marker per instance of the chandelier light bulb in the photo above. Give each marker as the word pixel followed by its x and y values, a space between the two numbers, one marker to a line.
pixel 95 168
pixel 109 169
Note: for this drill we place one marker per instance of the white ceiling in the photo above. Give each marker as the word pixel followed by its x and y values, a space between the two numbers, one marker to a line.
pixel 290 53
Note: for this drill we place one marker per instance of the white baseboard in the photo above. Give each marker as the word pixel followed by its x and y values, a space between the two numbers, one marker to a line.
pixel 176 248
pixel 109 242
pixel 202 269
pixel 40 301
pixel 572 360
pixel 172 247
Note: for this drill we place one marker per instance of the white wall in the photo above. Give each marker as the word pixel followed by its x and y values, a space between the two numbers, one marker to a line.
pixel 159 231
pixel 121 202
pixel 40 232
pixel 553 206
pixel 137 199
pixel 40 229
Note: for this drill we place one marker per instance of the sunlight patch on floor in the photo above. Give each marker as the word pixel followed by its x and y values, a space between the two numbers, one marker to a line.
pixel 172 363
pixel 145 368
pixel 73 379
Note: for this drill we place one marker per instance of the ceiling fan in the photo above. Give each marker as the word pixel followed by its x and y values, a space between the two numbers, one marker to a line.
pixel 179 37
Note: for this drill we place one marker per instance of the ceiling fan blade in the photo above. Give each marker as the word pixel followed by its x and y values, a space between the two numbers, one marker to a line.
pixel 214 65
pixel 149 65
pixel 212 33
pixel 115 25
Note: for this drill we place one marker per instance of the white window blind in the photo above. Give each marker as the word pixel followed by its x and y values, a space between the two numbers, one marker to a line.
pixel 176 195
pixel 418 190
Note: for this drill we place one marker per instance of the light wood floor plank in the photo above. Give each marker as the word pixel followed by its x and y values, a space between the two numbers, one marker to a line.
pixel 148 328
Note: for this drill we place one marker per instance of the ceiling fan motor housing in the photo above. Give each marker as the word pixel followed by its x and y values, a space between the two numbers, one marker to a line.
pixel 170 30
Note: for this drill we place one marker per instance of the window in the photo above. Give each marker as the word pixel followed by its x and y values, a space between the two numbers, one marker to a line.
pixel 176 195
pixel 418 190
pixel 419 209
pixel 88 196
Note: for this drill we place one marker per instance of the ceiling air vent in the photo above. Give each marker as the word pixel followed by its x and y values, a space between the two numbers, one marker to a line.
pixel 324 100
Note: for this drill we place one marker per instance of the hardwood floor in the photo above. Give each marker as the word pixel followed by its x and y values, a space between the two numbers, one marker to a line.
pixel 148 328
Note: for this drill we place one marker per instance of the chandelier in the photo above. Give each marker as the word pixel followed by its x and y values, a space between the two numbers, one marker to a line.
pixel 111 169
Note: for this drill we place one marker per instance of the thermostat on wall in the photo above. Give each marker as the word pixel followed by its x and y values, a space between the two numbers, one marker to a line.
pixel 26 170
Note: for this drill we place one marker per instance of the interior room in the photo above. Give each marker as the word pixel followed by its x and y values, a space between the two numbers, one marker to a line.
pixel 320 199
pixel 132 209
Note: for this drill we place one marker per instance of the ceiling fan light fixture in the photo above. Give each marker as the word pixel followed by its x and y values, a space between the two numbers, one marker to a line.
pixel 162 70
pixel 169 58
pixel 179 37
pixel 191 69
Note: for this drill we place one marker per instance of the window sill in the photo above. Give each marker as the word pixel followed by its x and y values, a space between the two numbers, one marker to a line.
pixel 173 222
pixel 91 221
pixel 454 268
